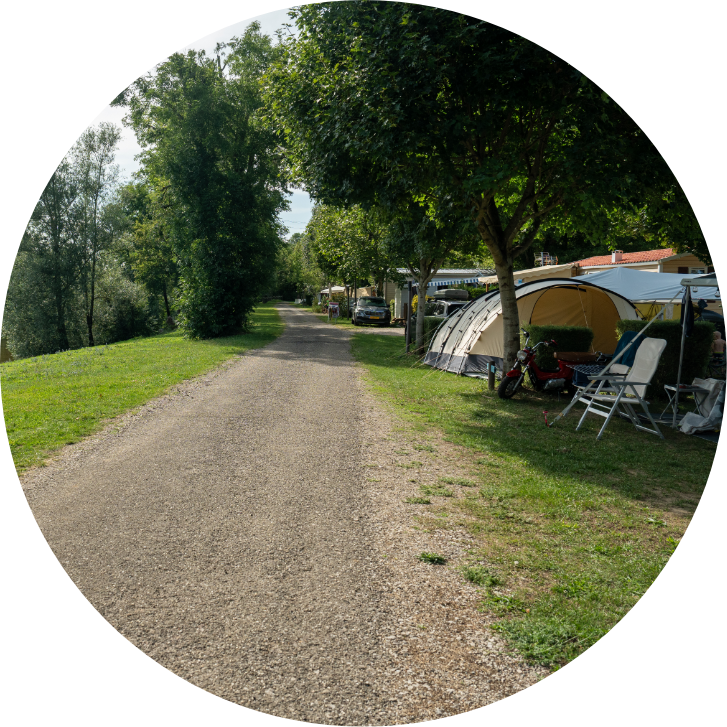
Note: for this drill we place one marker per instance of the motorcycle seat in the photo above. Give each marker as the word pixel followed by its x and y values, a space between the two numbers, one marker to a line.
pixel 575 356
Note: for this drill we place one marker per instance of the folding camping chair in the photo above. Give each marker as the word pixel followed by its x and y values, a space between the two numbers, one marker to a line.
pixel 583 374
pixel 618 392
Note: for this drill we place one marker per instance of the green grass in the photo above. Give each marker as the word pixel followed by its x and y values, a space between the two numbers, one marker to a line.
pixel 575 529
pixel 50 401
pixel 433 558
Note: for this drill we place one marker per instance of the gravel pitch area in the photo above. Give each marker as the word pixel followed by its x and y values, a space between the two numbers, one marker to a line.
pixel 248 532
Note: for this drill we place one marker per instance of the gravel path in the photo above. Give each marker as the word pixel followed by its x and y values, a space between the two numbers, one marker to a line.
pixel 230 531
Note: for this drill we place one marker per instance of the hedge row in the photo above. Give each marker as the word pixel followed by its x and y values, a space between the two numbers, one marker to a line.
pixel 697 351
pixel 567 338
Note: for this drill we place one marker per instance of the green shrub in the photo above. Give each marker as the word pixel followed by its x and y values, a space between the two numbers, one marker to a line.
pixel 477 292
pixel 568 338
pixel 697 351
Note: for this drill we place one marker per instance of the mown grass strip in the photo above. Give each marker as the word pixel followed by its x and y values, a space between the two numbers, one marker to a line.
pixel 569 531
pixel 51 401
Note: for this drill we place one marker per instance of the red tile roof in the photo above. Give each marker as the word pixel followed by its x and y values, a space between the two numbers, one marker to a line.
pixel 646 256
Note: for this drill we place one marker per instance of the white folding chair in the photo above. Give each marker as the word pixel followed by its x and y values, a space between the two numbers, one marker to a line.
pixel 619 391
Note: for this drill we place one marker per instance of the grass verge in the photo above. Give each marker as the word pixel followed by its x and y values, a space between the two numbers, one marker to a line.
pixel 569 532
pixel 51 401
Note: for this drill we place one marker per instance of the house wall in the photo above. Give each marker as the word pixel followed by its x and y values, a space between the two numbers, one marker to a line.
pixel 683 265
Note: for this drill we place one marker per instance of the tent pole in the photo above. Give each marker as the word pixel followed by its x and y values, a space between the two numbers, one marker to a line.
pixel 675 404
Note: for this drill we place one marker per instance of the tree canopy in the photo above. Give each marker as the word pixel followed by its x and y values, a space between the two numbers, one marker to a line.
pixel 352 244
pixel 206 147
pixel 385 103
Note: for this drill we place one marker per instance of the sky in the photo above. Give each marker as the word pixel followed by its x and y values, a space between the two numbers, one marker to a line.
pixel 294 219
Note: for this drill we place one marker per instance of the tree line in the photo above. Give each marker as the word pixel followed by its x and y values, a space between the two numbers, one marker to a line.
pixel 193 240
pixel 426 138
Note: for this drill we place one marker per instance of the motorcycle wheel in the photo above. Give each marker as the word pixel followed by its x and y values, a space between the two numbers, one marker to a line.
pixel 509 386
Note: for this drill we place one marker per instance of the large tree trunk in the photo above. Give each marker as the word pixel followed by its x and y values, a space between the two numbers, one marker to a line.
pixel 510 315
pixel 423 279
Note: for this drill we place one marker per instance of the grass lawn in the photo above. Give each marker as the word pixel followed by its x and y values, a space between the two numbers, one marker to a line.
pixel 50 401
pixel 569 531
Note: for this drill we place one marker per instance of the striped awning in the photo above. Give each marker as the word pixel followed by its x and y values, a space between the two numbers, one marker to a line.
pixel 459 281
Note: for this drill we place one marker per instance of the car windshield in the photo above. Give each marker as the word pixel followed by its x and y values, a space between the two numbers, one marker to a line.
pixel 371 302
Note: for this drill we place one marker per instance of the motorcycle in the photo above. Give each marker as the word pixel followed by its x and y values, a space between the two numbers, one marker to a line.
pixel 559 380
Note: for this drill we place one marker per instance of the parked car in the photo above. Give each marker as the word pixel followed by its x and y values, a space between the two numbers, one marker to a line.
pixel 445 308
pixel 369 309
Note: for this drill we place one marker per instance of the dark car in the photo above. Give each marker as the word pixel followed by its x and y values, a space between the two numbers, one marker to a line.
pixel 369 309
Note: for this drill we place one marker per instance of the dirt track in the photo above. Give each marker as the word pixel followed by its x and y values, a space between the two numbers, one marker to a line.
pixel 229 532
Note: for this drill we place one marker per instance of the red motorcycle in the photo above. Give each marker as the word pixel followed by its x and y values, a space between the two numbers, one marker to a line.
pixel 541 380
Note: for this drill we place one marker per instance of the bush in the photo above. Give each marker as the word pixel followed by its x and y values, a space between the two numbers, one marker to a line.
pixel 568 338
pixel 697 351
pixel 122 310
pixel 476 292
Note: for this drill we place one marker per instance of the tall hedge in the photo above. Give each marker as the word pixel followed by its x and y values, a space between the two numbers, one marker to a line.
pixel 567 338
pixel 697 351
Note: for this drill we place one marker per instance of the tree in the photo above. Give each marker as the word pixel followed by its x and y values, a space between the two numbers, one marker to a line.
pixel 151 253
pixel 94 155
pixel 351 244
pixel 51 255
pixel 382 101
pixel 68 288
pixel 423 244
pixel 198 122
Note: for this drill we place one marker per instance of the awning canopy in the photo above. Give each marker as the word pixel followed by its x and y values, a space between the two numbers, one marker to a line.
pixel 546 269
pixel 457 281
pixel 640 286
pixel 701 281
pixel 335 289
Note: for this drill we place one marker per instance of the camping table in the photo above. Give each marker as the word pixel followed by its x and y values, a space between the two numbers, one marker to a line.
pixel 671 392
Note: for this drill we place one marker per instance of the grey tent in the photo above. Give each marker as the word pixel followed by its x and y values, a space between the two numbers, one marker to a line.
pixel 472 338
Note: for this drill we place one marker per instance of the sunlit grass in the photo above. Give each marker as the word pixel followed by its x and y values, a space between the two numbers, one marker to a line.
pixel 50 401
pixel 569 530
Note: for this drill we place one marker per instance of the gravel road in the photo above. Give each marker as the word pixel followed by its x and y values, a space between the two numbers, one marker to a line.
pixel 228 531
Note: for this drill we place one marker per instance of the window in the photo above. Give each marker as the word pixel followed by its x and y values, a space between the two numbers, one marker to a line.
pixel 697 271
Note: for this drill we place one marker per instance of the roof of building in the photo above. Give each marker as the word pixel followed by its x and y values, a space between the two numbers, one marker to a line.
pixel 645 256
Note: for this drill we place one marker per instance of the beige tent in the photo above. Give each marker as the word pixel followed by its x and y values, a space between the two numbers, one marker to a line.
pixel 472 338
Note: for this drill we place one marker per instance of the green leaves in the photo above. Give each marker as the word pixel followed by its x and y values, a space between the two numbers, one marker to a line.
pixel 201 122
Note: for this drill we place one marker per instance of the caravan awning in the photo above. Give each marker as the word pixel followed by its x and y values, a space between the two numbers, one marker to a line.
pixel 640 286
pixel 701 281
pixel 458 281
pixel 550 271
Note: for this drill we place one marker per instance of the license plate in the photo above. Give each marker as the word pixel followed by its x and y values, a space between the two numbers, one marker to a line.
pixel 375 318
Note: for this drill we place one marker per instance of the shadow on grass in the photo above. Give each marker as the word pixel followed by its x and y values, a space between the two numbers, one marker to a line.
pixel 512 433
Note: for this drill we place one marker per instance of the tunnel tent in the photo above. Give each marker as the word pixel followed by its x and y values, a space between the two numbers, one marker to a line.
pixel 472 338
